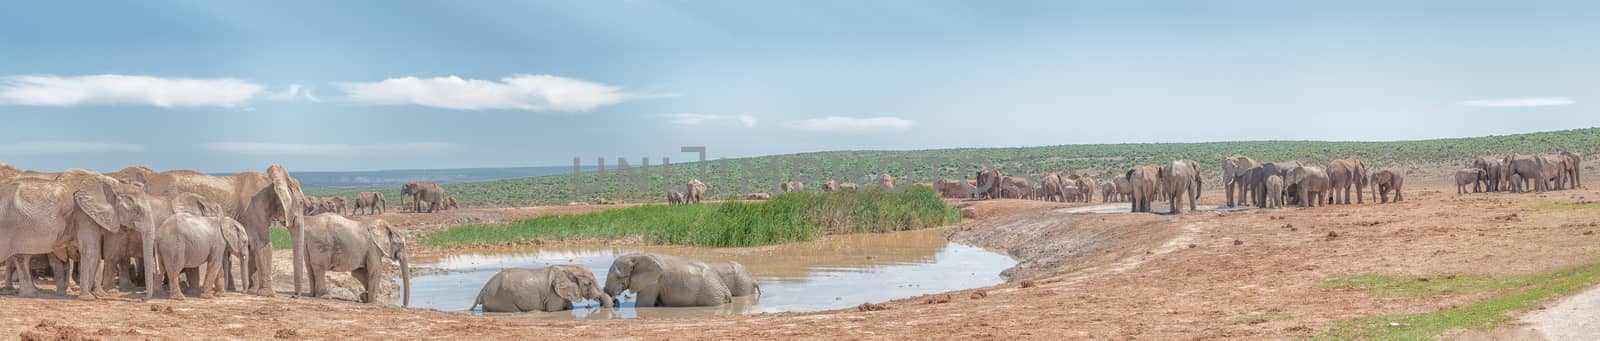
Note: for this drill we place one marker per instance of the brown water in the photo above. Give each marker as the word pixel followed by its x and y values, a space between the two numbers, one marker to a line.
pixel 837 272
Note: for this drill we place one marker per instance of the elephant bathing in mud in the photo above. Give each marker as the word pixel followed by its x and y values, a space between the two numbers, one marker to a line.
pixel 336 243
pixel 552 288
pixel 667 281
pixel 739 280
pixel 1181 180
pixel 1236 172
pixel 1142 183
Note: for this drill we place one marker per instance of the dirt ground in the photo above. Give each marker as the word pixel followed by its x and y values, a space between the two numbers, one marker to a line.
pixel 1206 275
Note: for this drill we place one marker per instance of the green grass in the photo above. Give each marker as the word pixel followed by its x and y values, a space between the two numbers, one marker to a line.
pixel 762 174
pixel 785 218
pixel 280 238
pixel 1516 293
pixel 1563 206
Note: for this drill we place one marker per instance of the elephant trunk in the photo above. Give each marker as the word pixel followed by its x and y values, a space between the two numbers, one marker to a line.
pixel 405 277
pixel 244 263
pixel 150 262
pixel 297 233
pixel 605 301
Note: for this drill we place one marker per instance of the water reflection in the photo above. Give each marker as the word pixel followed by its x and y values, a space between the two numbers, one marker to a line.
pixel 835 273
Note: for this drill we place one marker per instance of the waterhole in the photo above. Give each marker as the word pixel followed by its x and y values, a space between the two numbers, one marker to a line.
pixel 837 272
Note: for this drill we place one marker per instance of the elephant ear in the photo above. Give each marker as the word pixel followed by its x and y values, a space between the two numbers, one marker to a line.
pixel 98 206
pixel 232 233
pixel 381 234
pixel 565 284
pixel 286 190
pixel 194 204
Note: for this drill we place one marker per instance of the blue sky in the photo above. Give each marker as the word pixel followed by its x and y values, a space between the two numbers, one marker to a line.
pixel 360 85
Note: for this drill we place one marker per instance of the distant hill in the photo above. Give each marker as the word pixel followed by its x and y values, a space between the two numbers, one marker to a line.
pixel 1427 158
pixel 364 180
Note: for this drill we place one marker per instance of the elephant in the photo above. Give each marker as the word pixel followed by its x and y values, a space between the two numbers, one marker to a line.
pixel 122 251
pixel 1552 171
pixel 1274 191
pixel 1070 191
pixel 988 184
pixel 336 243
pixel 371 201
pixel 666 281
pixel 757 196
pixel 830 186
pixel 252 198
pixel 693 191
pixel 1236 171
pixel 1052 187
pixel 1142 183
pixel 674 198
pixel 1086 187
pixel 1014 187
pixel 187 240
pixel 738 280
pixel 1467 176
pixel 1181 179
pixel 449 203
pixel 1342 174
pixel 1108 191
pixel 792 187
pixel 1492 177
pixel 951 188
pixel 76 209
pixel 339 204
pixel 1574 168
pixel 1526 168
pixel 848 186
pixel 1124 192
pixel 552 288
pixel 1385 180
pixel 423 192
pixel 1359 171
pixel 886 181
pixel 1311 185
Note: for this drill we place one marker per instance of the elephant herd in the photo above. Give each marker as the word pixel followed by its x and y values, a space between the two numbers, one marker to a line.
pixel 1519 173
pixel 656 280
pixel 1277 184
pixel 990 184
pixel 137 225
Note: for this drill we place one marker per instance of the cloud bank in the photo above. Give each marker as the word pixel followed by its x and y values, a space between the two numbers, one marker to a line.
pixel 698 119
pixel 1519 102
pixel 109 89
pixel 335 149
pixel 853 124
pixel 515 92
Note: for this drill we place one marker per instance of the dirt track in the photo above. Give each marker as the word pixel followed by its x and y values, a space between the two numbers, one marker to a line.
pixel 1245 274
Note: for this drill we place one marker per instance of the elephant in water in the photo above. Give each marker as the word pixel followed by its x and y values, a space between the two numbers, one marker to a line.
pixel 1385 180
pixel 1236 172
pixel 739 281
pixel 1467 176
pixel 551 288
pixel 336 243
pixel 191 241
pixel 1142 183
pixel 667 281
pixel 1181 179
pixel 1311 185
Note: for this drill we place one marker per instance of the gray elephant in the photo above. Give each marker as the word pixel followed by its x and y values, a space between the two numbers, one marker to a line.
pixel 694 191
pixel 1274 191
pixel 1124 192
pixel 666 281
pixel 1467 176
pixel 1014 187
pixel 1086 187
pixel 1574 168
pixel 987 184
pixel 1108 191
pixel 339 204
pixel 1526 168
pixel 1385 180
pixel 1492 177
pixel 1181 179
pixel 739 280
pixel 552 288
pixel 1236 172
pixel 1052 187
pixel 1342 175
pixel 449 203
pixel 1142 183
pixel 187 240
pixel 792 187
pixel 1311 185
pixel 77 208
pixel 1552 171
pixel 122 251
pixel 372 202
pixel 423 193
pixel 336 243
pixel 674 198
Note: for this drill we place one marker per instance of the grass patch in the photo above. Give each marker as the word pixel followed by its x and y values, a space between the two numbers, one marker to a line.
pixel 786 218
pixel 280 238
pixel 1521 293
pixel 1564 206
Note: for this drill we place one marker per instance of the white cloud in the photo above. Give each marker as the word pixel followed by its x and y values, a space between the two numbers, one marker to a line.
pixel 58 91
pixel 294 92
pixel 1520 102
pixel 328 149
pixel 67 147
pixel 841 123
pixel 515 92
pixel 697 119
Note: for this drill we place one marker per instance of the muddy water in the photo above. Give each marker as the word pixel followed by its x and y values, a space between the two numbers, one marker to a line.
pixel 1159 208
pixel 838 272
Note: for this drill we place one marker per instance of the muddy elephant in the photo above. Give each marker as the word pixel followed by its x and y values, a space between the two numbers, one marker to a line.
pixel 1491 178
pixel 339 204
pixel 1236 171
pixel 693 191
pixel 423 193
pixel 122 252
pixel 552 288
pixel 1142 182
pixel 1274 191
pixel 1552 171
pixel 1108 191
pixel 1385 180
pixel 758 196
pixel 1573 171
pixel 77 209
pixel 1014 187
pixel 951 188
pixel 674 198
pixel 738 280
pixel 1124 192
pixel 1052 187
pixel 830 186
pixel 1181 179
pixel 336 243
pixel 988 184
pixel 659 280
pixel 449 203
pixel 1465 177
pixel 187 240
pixel 1311 185
pixel 372 202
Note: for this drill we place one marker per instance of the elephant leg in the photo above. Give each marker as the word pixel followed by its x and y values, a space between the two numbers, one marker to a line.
pixel 365 278
pixel 227 273
pixel 208 285
pixel 58 268
pixel 24 273
pixel 260 269
pixel 191 276
pixel 89 256
pixel 650 297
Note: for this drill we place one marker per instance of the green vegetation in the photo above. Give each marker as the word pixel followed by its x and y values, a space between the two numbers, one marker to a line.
pixel 280 238
pixel 1516 293
pixel 762 174
pixel 785 218
pixel 1563 206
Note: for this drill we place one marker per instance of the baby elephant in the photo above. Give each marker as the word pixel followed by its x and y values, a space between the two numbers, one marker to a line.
pixel 336 243
pixel 190 241
pixel 1465 177
pixel 1274 191
pixel 545 289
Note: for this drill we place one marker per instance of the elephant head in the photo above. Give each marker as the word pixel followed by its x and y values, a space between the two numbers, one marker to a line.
pixel 575 283
pixel 284 202
pixel 622 274
pixel 114 205
pixel 392 242
pixel 237 241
